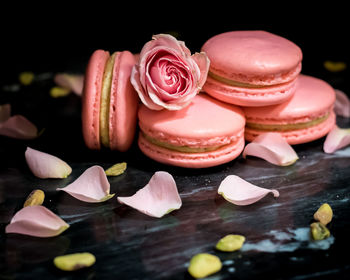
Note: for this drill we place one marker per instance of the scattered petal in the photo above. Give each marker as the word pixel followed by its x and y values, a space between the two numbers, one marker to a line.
pixel 57 92
pixel 342 104
pixel 5 112
pixel 37 221
pixel 324 214
pixel 334 66
pixel 273 148
pixel 71 82
pixel 116 169
pixel 158 198
pixel 230 243
pixel 336 139
pixel 91 186
pixel 26 78
pixel 75 261
pixel 240 192
pixel 18 127
pixel 203 265
pixel 44 165
pixel 36 197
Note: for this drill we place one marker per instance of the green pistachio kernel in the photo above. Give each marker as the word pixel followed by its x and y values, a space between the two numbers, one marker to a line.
pixel 230 243
pixel 324 214
pixel 75 261
pixel 26 78
pixel 36 197
pixel 203 265
pixel 57 92
pixel 319 231
pixel 116 169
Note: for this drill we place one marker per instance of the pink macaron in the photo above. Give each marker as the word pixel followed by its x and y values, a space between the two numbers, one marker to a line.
pixel 206 133
pixel 252 68
pixel 306 116
pixel 109 102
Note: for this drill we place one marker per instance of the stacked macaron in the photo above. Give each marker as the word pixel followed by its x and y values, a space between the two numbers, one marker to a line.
pixel 253 86
pixel 109 102
pixel 260 71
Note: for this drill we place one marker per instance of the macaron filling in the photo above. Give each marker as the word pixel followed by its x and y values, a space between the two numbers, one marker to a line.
pixel 183 149
pixel 258 81
pixel 105 100
pixel 288 126
pixel 188 144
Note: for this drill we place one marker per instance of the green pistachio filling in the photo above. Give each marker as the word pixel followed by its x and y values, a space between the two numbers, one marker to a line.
pixel 183 149
pixel 287 127
pixel 234 83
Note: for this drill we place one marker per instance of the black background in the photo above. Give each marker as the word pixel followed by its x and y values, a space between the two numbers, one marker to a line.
pixel 62 37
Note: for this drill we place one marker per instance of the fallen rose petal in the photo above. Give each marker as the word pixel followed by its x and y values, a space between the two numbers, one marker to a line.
pixel 72 82
pixel 5 112
pixel 342 104
pixel 240 192
pixel 273 148
pixel 336 139
pixel 91 186
pixel 18 127
pixel 158 198
pixel 37 221
pixel 44 165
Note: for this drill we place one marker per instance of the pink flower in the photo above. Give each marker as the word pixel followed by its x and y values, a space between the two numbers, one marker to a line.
pixel 166 75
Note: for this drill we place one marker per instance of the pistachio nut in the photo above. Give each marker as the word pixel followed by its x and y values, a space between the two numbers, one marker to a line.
pixel 324 214
pixel 75 261
pixel 203 265
pixel 319 231
pixel 116 169
pixel 36 197
pixel 230 243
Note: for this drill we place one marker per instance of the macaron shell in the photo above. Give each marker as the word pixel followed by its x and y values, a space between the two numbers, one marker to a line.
pixel 256 57
pixel 123 103
pixel 91 98
pixel 191 160
pixel 299 136
pixel 254 97
pixel 204 118
pixel 206 122
pixel 313 97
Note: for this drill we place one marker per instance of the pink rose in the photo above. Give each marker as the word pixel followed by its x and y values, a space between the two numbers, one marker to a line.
pixel 166 75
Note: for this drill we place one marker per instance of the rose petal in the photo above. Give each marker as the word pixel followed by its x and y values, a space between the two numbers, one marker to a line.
pixel 273 148
pixel 203 63
pixel 336 139
pixel 18 127
pixel 135 81
pixel 166 75
pixel 157 198
pixel 167 41
pixel 240 192
pixel 72 82
pixel 5 112
pixel 44 165
pixel 91 186
pixel 37 221
pixel 342 104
